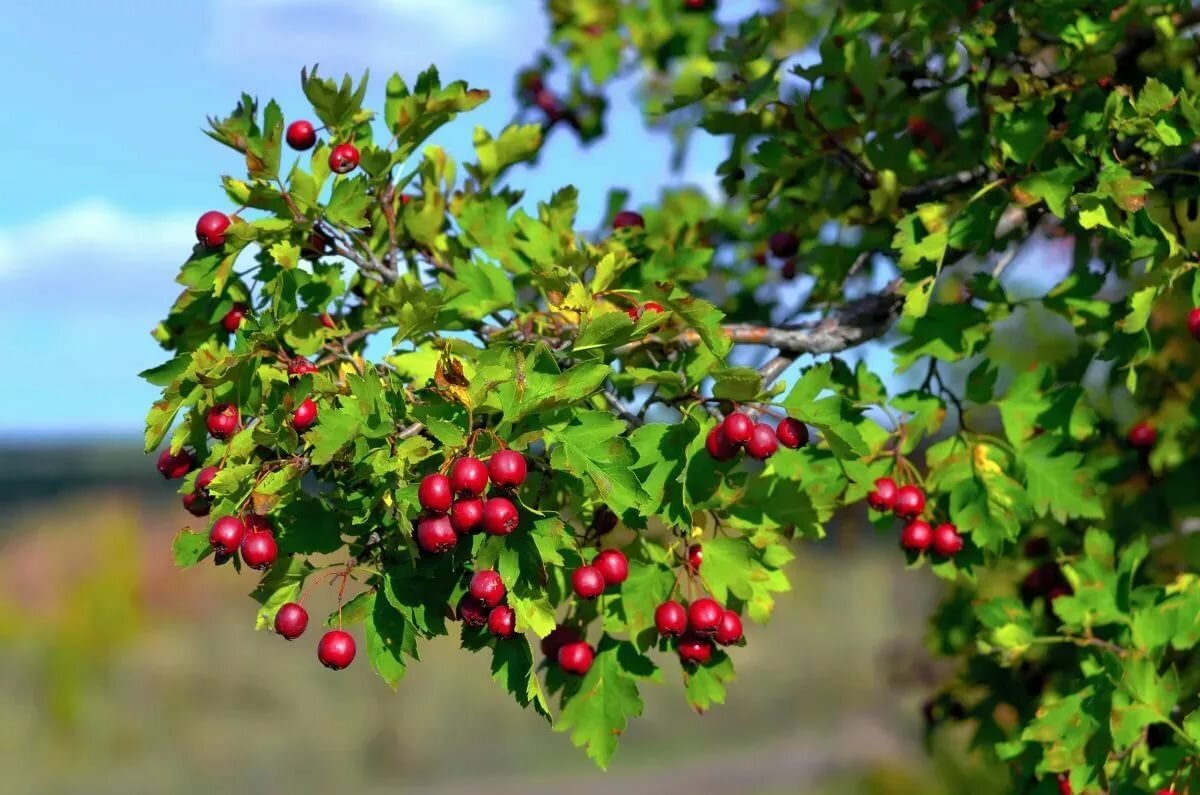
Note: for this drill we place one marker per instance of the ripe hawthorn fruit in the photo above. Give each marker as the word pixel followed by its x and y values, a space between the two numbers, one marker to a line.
pixel 1193 323
pixel 487 587
pixel 670 619
pixel 1143 435
pixel 627 219
pixel 435 493
pixel 468 476
pixel 472 612
pixel 499 516
pixel 704 617
pixel 227 534
pixel 502 621
pixel 299 367
pixel 737 427
pixel 612 565
pixel 336 649
pixel 301 135
pixel 259 549
pixel 883 496
pixel 718 446
pixel 305 415
pixel 435 534
pixel 694 650
pixel 196 503
pixel 205 477
pixel 916 536
pixel 730 629
pixel 175 465
pixel 343 158
pixel 466 513
pixel 587 582
pixel 762 444
pixel 909 503
pixel 291 620
pixel 559 636
pixel 222 420
pixel 233 318
pixel 507 468
pixel 576 658
pixel 783 244
pixel 792 433
pixel 695 557
pixel 210 229
pixel 946 540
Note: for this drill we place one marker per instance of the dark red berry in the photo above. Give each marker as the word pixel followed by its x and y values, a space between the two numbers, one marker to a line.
pixel 305 415
pixel 487 587
pixel 175 465
pixel 652 306
pixel 336 649
pixel 693 650
pixel 946 540
pixel 502 621
pixel 720 448
pixel 301 135
pixel 792 433
pixel 1193 323
pixel 730 630
pixel 738 428
pixel 222 420
pixel 435 534
pixel 327 320
pixel 233 318
pixel 604 521
pixel 695 556
pixel 343 158
pixel 205 477
pixel 670 619
pixel 499 516
pixel 626 219
pixel 613 566
pixel 762 444
pixel 704 617
pixel 468 476
pixel 257 523
pixel 576 658
pixel 196 504
pixel 635 313
pixel 559 636
pixel 259 549
pixel 910 502
pixel 210 229
pixel 1064 784
pixel 298 367
pixel 465 514
pixel 783 244
pixel 587 582
pixel 434 493
pixel 227 534
pixel 916 536
pixel 883 497
pixel 506 468
pixel 291 620
pixel 471 612
pixel 1143 436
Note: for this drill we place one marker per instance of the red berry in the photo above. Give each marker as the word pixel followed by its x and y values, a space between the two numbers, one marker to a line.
pixel 305 415
pixel 1064 784
pixel 435 534
pixel 1143 436
pixel 576 658
pixel 291 620
pixel 259 550
pixel 233 318
pixel 210 229
pixel 502 621
pixel 507 468
pixel 500 516
pixel 762 444
pixel 487 587
pixel 468 476
pixel 693 650
pixel 343 158
pixel 205 478
pixel 695 556
pixel 196 504
pixel 783 244
pixel 471 612
pixel 634 312
pixel 792 433
pixel 883 498
pixel 1193 323
pixel 788 271
pixel 738 428
pixel 916 536
pixel 326 320
pixel 626 219
pixel 587 582
pixel 730 630
pixel 175 465
pixel 670 619
pixel 547 102
pixel 918 127
pixel 704 616
pixel 559 636
pixel 465 515
pixel 946 540
pixel 910 502
pixel 298 367
pixel 604 521
pixel 222 420
pixel 336 649
pixel 720 448
pixel 227 534
pixel 653 306
pixel 1165 792
pixel 257 523
pixel 613 566
pixel 301 135
pixel 434 493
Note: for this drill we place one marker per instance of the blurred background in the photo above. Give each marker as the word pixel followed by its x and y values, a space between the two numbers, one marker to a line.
pixel 126 676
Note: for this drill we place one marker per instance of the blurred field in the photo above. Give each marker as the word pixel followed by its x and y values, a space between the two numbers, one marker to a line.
pixel 126 676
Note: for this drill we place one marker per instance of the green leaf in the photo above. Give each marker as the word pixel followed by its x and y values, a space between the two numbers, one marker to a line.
pixel 592 447
pixel 1058 482
pixel 513 668
pixel 389 637
pixel 705 684
pixel 597 710
pixel 190 548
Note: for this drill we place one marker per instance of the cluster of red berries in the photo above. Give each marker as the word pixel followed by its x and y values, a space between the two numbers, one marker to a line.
pixel 760 440
pixel 483 605
pixel 177 465
pixel 252 535
pixel 908 503
pixel 697 627
pixel 223 420
pixel 454 505
pixel 335 650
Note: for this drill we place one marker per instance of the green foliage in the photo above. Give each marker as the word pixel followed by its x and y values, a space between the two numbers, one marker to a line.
pixel 923 147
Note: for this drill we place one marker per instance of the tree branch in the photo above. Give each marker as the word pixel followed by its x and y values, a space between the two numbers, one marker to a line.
pixel 938 187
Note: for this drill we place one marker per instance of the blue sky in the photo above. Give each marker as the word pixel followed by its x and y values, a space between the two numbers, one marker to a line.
pixel 108 168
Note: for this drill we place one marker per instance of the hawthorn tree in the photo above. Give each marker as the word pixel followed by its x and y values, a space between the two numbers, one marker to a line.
pixel 404 379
